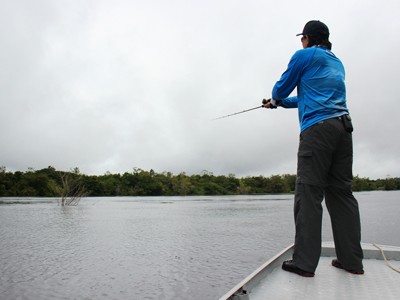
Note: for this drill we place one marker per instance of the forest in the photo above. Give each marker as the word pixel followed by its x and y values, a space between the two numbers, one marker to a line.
pixel 48 182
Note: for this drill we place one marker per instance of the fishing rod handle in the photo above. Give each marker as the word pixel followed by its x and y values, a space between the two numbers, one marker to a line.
pixel 266 101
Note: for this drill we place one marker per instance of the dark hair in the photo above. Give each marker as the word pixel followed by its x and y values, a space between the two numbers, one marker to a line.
pixel 314 41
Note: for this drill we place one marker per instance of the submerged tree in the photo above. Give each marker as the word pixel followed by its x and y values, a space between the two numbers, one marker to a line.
pixel 71 190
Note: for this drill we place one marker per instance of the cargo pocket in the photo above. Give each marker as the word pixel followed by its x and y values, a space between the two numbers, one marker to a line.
pixel 304 166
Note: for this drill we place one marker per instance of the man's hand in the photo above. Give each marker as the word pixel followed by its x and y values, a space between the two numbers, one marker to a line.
pixel 267 104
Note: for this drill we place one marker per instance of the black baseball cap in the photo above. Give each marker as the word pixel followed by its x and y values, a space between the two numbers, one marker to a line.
pixel 316 29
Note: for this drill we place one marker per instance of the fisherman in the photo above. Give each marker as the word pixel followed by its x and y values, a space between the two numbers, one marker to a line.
pixel 325 154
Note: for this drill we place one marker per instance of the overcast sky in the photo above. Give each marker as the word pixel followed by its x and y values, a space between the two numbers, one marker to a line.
pixel 113 85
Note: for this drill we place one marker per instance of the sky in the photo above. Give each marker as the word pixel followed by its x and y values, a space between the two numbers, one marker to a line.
pixel 109 86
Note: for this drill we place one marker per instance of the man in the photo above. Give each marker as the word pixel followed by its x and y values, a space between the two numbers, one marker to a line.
pixel 325 154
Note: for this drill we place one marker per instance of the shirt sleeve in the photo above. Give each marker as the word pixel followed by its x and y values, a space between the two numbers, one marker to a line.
pixel 291 78
pixel 290 102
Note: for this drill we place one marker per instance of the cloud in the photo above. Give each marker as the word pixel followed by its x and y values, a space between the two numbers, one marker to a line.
pixel 136 84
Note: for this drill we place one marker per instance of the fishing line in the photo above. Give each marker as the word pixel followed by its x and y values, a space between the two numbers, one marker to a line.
pixel 243 111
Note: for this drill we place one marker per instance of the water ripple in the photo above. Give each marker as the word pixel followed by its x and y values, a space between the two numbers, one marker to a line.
pixel 147 248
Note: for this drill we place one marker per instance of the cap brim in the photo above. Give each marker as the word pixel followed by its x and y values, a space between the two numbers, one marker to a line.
pixel 300 34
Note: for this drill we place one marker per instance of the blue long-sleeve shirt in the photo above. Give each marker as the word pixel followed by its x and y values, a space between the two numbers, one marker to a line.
pixel 321 92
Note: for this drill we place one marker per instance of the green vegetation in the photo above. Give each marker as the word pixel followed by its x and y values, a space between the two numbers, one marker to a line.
pixel 48 182
pixel 72 189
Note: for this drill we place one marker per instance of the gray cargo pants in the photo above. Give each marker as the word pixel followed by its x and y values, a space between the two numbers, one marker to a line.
pixel 324 169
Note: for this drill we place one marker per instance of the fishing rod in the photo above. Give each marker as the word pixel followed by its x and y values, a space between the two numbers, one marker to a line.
pixel 243 111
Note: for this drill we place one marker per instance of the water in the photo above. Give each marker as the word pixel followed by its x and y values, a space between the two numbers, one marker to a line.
pixel 155 248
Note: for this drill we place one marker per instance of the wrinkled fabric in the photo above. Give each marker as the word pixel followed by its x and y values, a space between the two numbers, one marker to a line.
pixel 324 170
pixel 320 80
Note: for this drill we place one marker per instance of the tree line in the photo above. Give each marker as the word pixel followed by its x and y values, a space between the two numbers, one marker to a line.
pixel 49 182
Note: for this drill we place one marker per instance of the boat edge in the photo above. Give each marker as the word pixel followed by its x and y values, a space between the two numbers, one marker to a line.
pixel 248 283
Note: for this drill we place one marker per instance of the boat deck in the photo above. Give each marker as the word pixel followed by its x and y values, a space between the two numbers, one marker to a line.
pixel 271 282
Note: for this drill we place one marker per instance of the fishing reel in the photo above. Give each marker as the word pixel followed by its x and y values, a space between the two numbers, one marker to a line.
pixel 268 101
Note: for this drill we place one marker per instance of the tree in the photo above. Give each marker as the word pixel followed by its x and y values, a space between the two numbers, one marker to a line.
pixel 71 186
pixel 182 184
pixel 71 190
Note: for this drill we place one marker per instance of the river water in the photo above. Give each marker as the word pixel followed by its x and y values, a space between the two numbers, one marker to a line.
pixel 156 247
